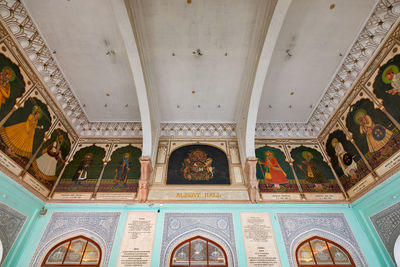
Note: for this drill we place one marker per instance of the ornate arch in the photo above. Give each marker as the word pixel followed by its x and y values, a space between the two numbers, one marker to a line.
pixel 88 253
pixel 200 239
pixel 43 250
pixel 217 227
pixel 322 249
pixel 98 226
pixel 353 251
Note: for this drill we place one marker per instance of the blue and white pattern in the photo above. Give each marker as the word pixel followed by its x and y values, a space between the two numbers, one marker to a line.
pixel 387 225
pixel 98 226
pixel 179 227
pixel 297 227
pixel 11 222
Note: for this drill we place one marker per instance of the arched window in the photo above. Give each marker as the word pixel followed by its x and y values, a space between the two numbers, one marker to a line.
pixel 198 251
pixel 318 251
pixel 76 251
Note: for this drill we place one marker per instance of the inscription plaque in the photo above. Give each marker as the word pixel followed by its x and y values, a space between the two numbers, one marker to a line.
pixel 259 240
pixel 137 242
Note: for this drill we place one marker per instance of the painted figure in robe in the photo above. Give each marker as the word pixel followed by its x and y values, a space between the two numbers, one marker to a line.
pixel 377 135
pixel 6 76
pixel 19 137
pixel 47 163
pixel 346 162
pixel 272 171
pixel 313 174
pixel 82 171
pixel 391 75
pixel 121 173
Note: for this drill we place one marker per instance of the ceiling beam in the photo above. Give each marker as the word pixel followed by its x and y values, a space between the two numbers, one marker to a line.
pixel 247 120
pixel 148 113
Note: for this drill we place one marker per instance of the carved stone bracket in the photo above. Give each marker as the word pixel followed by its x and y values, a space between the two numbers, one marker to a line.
pixel 251 179
pixel 144 181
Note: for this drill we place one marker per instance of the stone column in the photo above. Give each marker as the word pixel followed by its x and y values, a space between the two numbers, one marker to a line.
pixel 251 179
pixel 144 181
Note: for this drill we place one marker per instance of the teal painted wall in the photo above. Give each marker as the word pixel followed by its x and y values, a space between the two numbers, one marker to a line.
pixel 378 199
pixel 21 200
pixel 357 216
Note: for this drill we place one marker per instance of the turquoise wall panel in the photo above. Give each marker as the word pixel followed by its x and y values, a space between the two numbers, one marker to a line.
pixel 378 199
pixel 21 200
pixel 357 216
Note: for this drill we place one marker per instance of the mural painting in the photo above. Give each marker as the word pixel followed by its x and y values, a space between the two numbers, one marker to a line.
pixel 51 159
pixel 83 171
pixel 12 85
pixel 198 164
pixel 22 134
pixel 122 172
pixel 345 159
pixel 374 134
pixel 274 173
pixel 314 174
pixel 387 86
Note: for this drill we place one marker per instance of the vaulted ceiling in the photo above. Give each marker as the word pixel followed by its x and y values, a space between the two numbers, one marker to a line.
pixel 180 67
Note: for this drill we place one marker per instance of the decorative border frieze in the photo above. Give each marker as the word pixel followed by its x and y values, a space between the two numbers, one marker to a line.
pixel 198 129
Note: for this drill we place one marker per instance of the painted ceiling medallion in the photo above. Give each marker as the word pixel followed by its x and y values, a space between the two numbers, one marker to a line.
pixel 25 32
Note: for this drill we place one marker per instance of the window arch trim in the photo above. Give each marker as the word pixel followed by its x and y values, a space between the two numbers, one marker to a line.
pixel 352 264
pixel 70 241
pixel 179 245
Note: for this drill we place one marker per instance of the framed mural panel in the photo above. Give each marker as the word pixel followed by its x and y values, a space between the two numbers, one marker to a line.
pixel 13 84
pixel 198 164
pixel 22 134
pixel 14 81
pixel 275 175
pixel 374 133
pixel 314 174
pixel 348 164
pixel 198 170
pixel 79 179
pixel 385 81
pixel 121 174
pixel 50 160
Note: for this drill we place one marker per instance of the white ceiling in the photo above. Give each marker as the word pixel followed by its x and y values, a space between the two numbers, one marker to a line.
pixel 314 35
pixel 82 33
pixel 312 43
pixel 214 27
